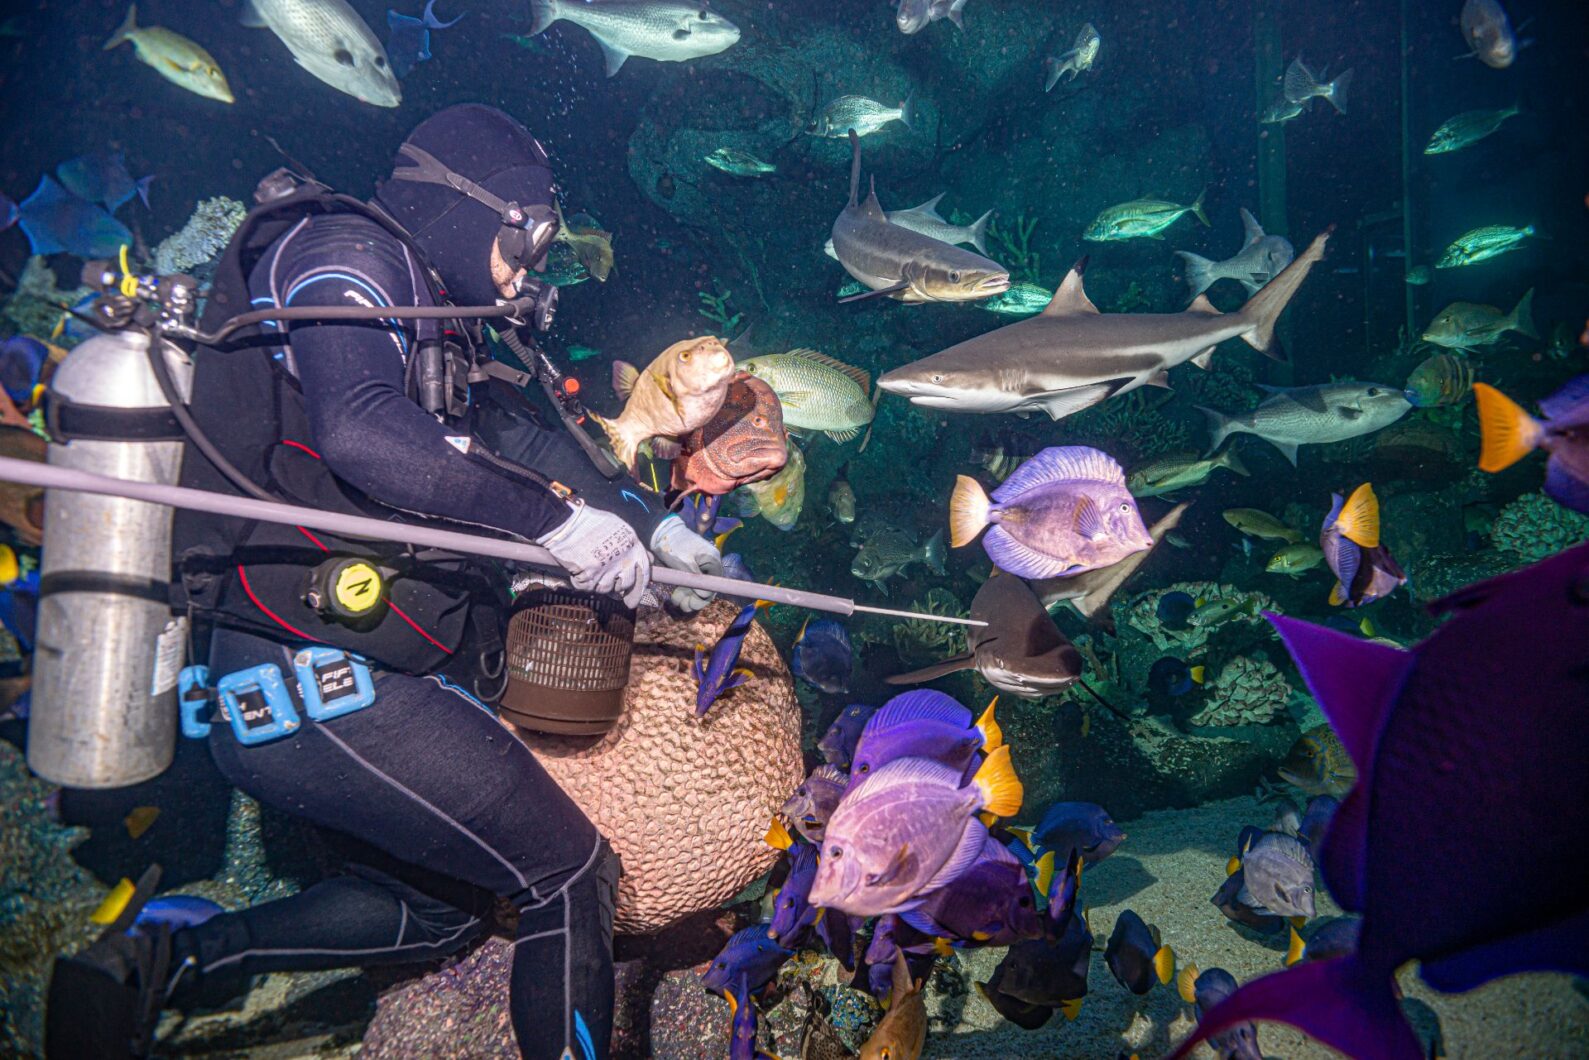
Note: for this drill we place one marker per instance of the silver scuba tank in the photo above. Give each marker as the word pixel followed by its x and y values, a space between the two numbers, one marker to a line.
pixel 108 650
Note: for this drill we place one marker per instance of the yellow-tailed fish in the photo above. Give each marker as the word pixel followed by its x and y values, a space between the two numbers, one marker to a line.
pixel 174 57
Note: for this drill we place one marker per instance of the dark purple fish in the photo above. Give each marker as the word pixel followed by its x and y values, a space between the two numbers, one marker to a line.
pixel 1135 955
pixel 1084 826
pixel 1364 569
pixel 1446 780
pixel 1041 975
pixel 792 911
pixel 814 801
pixel 921 724
pixel 719 671
pixel 837 933
pixel 748 953
pixel 408 38
pixel 1335 938
pixel 890 935
pixel 1226 901
pixel 992 904
pixel 701 513
pixel 1511 434
pixel 742 1043
pixel 821 655
pixel 838 743
pixel 102 177
pixel 1316 818
pixel 1241 1041
pixel 175 911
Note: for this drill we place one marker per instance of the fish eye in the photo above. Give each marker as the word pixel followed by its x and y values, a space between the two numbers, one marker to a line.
pixel 380 61
pixel 684 356
pixel 760 421
pixel 720 964
pixel 863 768
pixel 1125 506
pixel 954 276
pixel 836 853
pixel 1373 391
pixel 1306 889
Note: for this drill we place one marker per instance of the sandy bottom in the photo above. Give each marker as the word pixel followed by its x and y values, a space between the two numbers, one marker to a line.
pixel 1167 870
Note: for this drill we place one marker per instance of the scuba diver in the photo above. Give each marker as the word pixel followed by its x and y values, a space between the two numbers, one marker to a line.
pixel 388 736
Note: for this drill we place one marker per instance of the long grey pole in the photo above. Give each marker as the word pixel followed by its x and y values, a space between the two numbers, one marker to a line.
pixel 48 476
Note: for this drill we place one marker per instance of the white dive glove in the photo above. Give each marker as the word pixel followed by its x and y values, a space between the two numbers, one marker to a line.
pixel 681 548
pixel 601 553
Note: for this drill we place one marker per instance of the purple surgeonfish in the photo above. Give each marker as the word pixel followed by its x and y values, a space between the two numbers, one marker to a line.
pixel 1084 826
pixel 1510 434
pixel 1444 780
pixel 891 936
pixel 1364 569
pixel 718 671
pixel 792 911
pixel 991 904
pixel 924 724
pixel 1040 975
pixel 749 954
pixel 910 829
pixel 814 801
pixel 1065 511
pixel 742 1045
pixel 838 743
pixel 1208 989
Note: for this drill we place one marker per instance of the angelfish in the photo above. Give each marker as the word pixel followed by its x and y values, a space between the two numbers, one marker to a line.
pixel 719 671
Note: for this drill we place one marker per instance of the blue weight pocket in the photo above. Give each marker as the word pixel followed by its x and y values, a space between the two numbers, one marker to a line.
pixel 332 683
pixel 258 704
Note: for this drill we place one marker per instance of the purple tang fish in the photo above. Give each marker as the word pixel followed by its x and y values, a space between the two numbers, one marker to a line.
pixel 1511 434
pixel 838 743
pixel 1363 567
pixel 814 801
pixel 990 905
pixel 720 671
pixel 793 914
pixel 923 724
pixel 748 954
pixel 1444 780
pixel 1065 511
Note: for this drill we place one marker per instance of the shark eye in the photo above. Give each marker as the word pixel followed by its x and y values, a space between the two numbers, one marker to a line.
pixel 937 377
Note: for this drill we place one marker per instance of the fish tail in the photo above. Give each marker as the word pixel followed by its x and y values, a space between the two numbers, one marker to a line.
pixel 1186 983
pixel 626 450
pixel 1220 427
pixel 1164 965
pixel 1342 1003
pixel 1337 90
pixel 1297 950
pixel 1199 271
pixel 988 726
pixel 933 553
pixel 1230 461
pixel 1197 208
pixel 542 14
pixel 1508 433
pixel 978 235
pixel 1001 788
pixel 1522 318
pixel 968 511
pixel 124 32
pixel 1264 308
pixel 907 110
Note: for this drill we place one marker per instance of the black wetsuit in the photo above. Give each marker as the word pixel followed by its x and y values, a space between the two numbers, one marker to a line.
pixel 426 774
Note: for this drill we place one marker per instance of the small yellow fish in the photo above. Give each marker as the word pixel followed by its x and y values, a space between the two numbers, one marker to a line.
pixel 174 57
pixel 1318 764
pixel 591 246
pixel 1257 523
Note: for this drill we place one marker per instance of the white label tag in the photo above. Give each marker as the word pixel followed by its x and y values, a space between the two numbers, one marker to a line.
pixel 459 442
pixel 170 649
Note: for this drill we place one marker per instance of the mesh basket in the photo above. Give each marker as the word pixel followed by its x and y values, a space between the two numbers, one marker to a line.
pixel 567 662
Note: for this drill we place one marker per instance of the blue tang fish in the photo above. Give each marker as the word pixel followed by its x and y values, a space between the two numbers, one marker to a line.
pixel 1364 569
pixel 408 38
pixel 719 671
pixel 793 914
pixel 1175 608
pixel 175 911
pixel 1510 434
pixel 838 743
pixel 821 655
pixel 102 177
pixel 22 361
pixel 1171 676
pixel 702 513
pixel 742 1045
pixel 748 954
pixel 1084 827
pixel 1445 780
pixel 924 724
pixel 56 221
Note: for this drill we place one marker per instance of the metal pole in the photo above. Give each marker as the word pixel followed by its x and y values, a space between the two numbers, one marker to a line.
pixel 1269 56
pixel 48 476
pixel 1409 292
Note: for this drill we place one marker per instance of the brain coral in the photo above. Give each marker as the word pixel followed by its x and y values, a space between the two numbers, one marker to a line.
pixel 685 801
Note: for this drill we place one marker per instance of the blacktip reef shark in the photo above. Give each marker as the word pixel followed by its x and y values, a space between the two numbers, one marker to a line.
pixel 896 262
pixel 1089 592
pixel 1071 357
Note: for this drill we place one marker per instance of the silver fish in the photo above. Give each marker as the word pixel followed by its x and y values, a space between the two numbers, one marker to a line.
pixel 669 31
pixel 1072 357
pixel 862 115
pixel 1301 85
pixel 1467 129
pixel 1489 33
pixel 738 163
pixel 1080 57
pixel 1279 876
pixel 1312 415
pixel 926 220
pixel 889 551
pixel 1179 471
pixel 914 16
pixel 895 262
pixel 1259 260
pixel 330 40
pixel 1282 110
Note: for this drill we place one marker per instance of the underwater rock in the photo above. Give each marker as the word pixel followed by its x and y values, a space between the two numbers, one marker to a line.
pixel 1143 613
pixel 35 308
pixel 685 801
pixel 1247 691
pixel 205 235
pixel 1534 526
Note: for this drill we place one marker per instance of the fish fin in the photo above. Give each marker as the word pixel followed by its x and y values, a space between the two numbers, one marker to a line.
pixel 1164 965
pixel 1199 272
pixel 1337 91
pixel 542 14
pixel 827 248
pixel 847 435
pixel 1251 230
pixel 909 708
pixel 115 902
pixel 1233 866
pixel 698 669
pixel 988 725
pixel 1562 946
pixel 933 554
pixel 1203 358
pixel 1001 788
pixel 1088 520
pixel 1565 488
pixel 1011 555
pixel 965 856
pixel 1265 307
pixel 1220 426
pixel 933 672
pixel 929 208
pixel 862 377
pixel 1197 208
pixel 778 836
pixel 739 675
pixel 1339 1002
pixel 1287 450
pixel 124 32
pixel 1567 402
pixel 978 234
pixel 624 378
pixel 880 293
pixel 1358 520
pixel 1061 463
pixel 435 23
pixel 1521 319
pixel 895 865
pixel 968 511
pixel 1201 304
pixel 1070 297
pixel 1508 433
pixel 1297 950
pixel 250 17
pixel 1045 872
pixel 907 109
pixel 1186 984
pixel 792 399
pixel 1337 595
pixel 1230 461
pixel 666 449
pixel 623 448
pixel 1071 1007
pixel 614 55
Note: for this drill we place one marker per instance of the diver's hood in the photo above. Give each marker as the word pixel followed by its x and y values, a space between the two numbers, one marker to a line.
pixel 453 230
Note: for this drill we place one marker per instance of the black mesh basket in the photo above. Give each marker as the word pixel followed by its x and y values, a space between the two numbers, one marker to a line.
pixel 567 662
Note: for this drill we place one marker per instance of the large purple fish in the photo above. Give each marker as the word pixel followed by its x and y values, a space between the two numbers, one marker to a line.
pixel 719 671
pixel 814 801
pixel 1065 511
pixel 749 953
pixel 1511 434
pixel 923 724
pixel 792 911
pixel 908 830
pixel 1445 782
pixel 1364 569
pixel 1040 975
pixel 990 905
pixel 1083 826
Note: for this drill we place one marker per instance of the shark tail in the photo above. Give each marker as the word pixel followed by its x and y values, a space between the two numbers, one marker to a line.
pixel 1198 271
pixel 1342 1003
pixel 978 235
pixel 542 14
pixel 968 511
pixel 1522 318
pixel 1264 308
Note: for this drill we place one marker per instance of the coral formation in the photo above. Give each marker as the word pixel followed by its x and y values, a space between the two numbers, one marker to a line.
pixel 1534 526
pixel 1130 426
pixel 919 642
pixel 1248 691
pixel 35 309
pixel 685 800
pixel 714 307
pixel 1017 255
pixel 205 235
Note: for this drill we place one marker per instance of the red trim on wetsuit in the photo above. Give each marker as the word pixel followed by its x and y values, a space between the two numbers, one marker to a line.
pixel 400 613
pixel 242 576
pixel 300 445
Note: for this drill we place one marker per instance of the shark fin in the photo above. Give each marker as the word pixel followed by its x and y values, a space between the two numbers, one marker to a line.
pixel 1070 297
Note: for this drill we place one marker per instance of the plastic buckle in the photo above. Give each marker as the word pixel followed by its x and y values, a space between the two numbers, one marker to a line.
pixel 332 682
pixel 258 704
pixel 193 697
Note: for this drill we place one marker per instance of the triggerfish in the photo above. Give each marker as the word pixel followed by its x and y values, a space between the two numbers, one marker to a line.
pixel 1510 433
pixel 719 671
pixel 1064 511
pixel 1401 851
pixel 909 829
pixel 1364 569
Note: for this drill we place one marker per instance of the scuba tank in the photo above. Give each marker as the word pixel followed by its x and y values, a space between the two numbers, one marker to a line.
pixel 104 711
